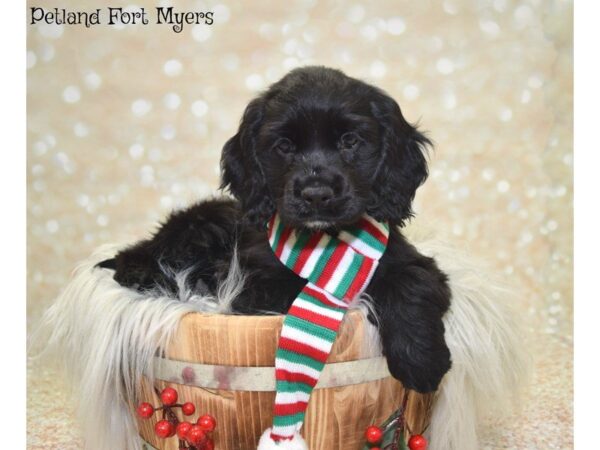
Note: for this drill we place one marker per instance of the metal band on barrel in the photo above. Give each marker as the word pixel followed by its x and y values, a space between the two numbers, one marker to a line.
pixel 262 379
pixel 146 445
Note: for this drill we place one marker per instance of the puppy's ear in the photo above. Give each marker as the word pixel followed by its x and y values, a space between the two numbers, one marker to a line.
pixel 241 170
pixel 402 168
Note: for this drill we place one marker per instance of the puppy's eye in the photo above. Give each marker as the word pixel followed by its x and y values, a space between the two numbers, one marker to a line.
pixel 349 141
pixel 284 146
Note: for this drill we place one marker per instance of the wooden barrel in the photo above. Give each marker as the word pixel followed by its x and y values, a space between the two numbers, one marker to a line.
pixel 224 365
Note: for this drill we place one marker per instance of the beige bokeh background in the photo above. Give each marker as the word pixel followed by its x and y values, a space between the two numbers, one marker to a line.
pixel 126 123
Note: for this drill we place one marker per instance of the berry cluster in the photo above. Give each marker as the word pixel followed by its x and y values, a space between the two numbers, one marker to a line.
pixel 192 436
pixel 374 436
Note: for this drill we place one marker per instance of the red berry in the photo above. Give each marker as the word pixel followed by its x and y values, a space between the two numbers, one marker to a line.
pixel 182 429
pixel 188 408
pixel 209 445
pixel 196 435
pixel 168 396
pixel 207 422
pixel 417 442
pixel 163 429
pixel 373 434
pixel 145 410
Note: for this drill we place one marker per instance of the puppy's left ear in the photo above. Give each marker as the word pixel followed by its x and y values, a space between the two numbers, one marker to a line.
pixel 241 171
pixel 403 166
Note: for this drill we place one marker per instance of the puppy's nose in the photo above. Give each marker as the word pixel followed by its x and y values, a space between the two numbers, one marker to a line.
pixel 316 195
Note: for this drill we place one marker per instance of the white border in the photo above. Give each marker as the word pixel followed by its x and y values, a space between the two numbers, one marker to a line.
pixel 12 192
pixel 587 224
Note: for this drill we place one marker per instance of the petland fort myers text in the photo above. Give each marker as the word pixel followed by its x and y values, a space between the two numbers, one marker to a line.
pixel 121 16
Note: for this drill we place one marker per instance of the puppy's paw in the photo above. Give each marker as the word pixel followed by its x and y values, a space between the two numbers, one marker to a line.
pixel 420 370
pixel 108 264
pixel 140 272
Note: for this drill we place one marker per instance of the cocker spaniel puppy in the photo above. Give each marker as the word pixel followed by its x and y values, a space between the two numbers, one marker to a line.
pixel 322 149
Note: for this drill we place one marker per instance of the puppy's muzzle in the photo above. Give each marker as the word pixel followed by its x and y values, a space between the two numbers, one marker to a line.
pixel 318 191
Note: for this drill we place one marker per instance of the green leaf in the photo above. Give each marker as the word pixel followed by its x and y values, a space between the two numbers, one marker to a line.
pixel 402 442
pixel 393 427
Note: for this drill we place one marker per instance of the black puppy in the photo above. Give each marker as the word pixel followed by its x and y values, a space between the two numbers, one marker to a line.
pixel 322 149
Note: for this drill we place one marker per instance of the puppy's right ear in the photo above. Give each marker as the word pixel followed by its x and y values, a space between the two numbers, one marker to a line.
pixel 241 170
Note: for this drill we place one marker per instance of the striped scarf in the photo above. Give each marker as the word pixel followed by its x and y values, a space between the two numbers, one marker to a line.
pixel 337 269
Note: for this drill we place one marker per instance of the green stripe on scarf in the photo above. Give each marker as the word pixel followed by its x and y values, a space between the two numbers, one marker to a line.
pixel 348 277
pixel 302 238
pixel 309 327
pixel 367 238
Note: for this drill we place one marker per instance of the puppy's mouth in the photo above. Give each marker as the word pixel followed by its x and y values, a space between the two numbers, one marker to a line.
pixel 342 212
pixel 318 224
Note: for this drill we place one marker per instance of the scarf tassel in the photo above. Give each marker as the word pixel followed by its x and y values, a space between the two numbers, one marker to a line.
pixel 295 443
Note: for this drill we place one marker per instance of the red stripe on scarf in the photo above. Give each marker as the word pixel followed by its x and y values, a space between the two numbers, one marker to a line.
pixel 288 409
pixel 304 349
pixel 332 265
pixel 361 277
pixel 373 230
pixel 313 317
pixel 320 296
pixel 307 251
pixel 294 377
pixel 277 437
pixel 270 226
pixel 285 234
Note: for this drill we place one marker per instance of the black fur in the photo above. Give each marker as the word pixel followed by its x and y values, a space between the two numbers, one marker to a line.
pixel 322 149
